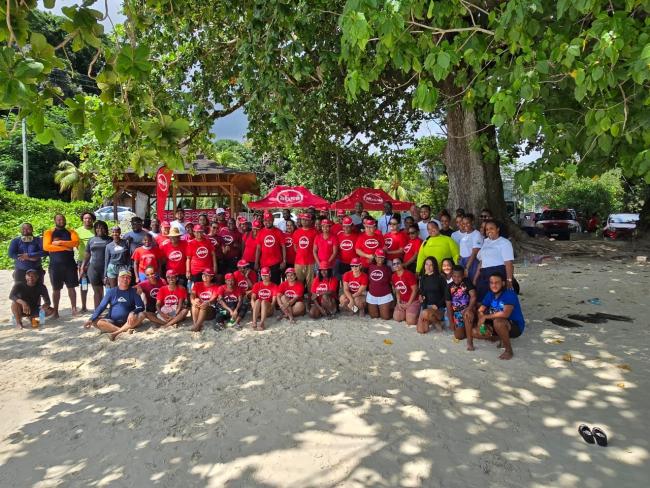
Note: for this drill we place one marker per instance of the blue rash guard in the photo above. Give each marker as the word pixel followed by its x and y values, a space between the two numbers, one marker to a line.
pixel 122 303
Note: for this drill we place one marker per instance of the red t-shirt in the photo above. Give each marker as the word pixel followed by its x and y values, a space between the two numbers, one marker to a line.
pixel 205 293
pixel 347 244
pixel 325 246
pixel 289 249
pixel 216 242
pixel 250 246
pixel 271 242
pixel 322 286
pixel 171 298
pixel 240 280
pixel 176 257
pixel 379 280
pixel 394 241
pixel 369 244
pixel 265 292
pixel 151 291
pixel 303 240
pixel 146 258
pixel 229 295
pixel 355 282
pixel 200 254
pixel 403 284
pixel 411 248
pixel 162 240
pixel 336 229
pixel 231 238
pixel 291 291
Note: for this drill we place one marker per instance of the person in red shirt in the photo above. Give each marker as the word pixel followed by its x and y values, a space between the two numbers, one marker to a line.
pixel 171 303
pixel 326 245
pixel 162 239
pixel 263 299
pixel 220 218
pixel 405 285
pixel 245 278
pixel 204 222
pixel 229 301
pixel 145 256
pixel 175 252
pixel 355 284
pixel 216 241
pixel 368 242
pixel 270 252
pixel 203 299
pixel 411 248
pixel 380 295
pixel 337 228
pixel 148 289
pixel 323 293
pixel 290 250
pixel 249 241
pixel 200 255
pixel 290 296
pixel 231 246
pixel 347 242
pixel 394 240
pixel 303 243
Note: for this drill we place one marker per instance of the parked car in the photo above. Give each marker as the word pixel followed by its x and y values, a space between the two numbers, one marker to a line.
pixel 527 222
pixel 106 213
pixel 557 223
pixel 620 225
pixel 277 218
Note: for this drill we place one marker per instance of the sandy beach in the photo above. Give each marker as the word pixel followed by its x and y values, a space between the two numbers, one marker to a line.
pixel 338 403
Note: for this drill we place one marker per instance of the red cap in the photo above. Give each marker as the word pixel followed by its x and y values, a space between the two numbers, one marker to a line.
pixel 268 216
pixel 340 213
pixel 265 271
pixel 170 272
pixel 257 224
pixel 241 220
pixel 198 228
pixel 208 271
pixel 242 263
pixel 380 253
pixel 368 222
pixel 164 223
pixel 347 220
pixel 289 270
pixel 326 222
pixel 305 216
pixel 324 265
pixel 229 276
pixel 355 262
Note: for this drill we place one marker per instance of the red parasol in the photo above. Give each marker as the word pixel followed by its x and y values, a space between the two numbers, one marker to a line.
pixel 290 197
pixel 371 199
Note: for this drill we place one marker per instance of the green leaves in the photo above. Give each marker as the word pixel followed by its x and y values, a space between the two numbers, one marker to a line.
pixel 425 96
pixel 165 132
pixel 133 62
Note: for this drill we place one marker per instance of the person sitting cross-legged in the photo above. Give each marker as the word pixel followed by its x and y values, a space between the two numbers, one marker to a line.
pixel 26 297
pixel 172 302
pixel 291 296
pixel 126 312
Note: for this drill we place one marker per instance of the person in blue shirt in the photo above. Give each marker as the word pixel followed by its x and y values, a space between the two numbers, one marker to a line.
pixel 501 314
pixel 126 312
pixel 27 253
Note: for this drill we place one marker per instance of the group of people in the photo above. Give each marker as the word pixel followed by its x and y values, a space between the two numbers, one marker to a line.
pixel 417 269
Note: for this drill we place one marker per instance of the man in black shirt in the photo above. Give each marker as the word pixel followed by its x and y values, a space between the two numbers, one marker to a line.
pixel 26 298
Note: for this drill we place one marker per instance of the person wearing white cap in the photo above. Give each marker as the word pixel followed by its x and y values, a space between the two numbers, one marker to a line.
pixel 220 218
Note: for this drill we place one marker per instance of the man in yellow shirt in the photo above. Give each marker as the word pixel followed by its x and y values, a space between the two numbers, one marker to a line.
pixel 437 245
pixel 60 243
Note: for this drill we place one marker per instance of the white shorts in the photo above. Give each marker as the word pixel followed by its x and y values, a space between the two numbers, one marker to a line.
pixel 373 300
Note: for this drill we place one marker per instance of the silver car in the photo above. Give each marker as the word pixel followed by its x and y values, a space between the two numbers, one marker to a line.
pixel 106 213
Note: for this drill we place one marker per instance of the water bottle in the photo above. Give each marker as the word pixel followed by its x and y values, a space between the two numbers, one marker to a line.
pixel 84 283
pixel 482 329
pixel 41 317
pixel 189 286
pixel 13 321
pixel 446 320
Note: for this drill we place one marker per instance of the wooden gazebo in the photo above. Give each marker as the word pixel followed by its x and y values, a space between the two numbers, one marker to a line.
pixel 200 178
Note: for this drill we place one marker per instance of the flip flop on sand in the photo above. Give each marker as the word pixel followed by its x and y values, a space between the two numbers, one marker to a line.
pixel 600 436
pixel 586 433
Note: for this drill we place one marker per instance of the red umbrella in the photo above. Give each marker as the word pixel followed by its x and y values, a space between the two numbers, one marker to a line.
pixel 290 197
pixel 371 199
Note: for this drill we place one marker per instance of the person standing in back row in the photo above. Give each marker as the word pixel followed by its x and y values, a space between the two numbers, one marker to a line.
pixel 60 242
pixel 270 252
pixel 27 253
pixel 85 233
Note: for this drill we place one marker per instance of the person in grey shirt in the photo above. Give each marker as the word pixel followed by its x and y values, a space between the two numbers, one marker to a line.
pixel 116 257
pixel 135 236
pixel 94 260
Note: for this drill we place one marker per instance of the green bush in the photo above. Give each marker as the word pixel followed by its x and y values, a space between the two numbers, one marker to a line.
pixel 16 209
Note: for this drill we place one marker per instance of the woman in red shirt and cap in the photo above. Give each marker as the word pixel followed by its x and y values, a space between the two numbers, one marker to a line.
pixel 200 255
pixel 326 245
pixel 380 296
pixel 323 293
pixel 405 285
pixel 347 242
pixel 290 296
pixel 203 299
pixel 263 299
pixel 270 251
pixel 355 284
pixel 368 242
pixel 250 243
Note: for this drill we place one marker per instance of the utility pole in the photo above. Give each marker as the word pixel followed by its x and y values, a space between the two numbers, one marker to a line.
pixel 25 161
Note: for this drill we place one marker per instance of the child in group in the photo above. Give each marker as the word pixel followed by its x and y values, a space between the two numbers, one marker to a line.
pixel 446 267
pixel 229 299
pixel 463 303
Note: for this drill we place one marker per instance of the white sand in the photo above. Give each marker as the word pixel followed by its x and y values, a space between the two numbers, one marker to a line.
pixel 327 403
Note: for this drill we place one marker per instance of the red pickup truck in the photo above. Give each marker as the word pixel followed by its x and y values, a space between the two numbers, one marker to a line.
pixel 557 223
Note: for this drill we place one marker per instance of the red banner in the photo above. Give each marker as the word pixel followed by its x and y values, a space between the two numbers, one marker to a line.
pixel 163 183
pixel 193 215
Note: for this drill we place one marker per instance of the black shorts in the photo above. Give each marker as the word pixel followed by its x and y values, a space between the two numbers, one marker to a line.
pixel 343 268
pixel 116 323
pixel 95 276
pixel 61 274
pixel 228 265
pixel 515 331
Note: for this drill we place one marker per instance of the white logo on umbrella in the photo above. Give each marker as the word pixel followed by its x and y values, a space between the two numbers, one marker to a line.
pixel 374 198
pixel 289 196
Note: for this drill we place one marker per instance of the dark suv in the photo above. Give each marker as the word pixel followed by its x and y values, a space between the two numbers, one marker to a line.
pixel 557 223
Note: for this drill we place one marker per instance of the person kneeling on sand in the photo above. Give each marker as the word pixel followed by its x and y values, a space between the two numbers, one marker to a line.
pixel 26 297
pixel 126 312
pixel 290 296
pixel 500 314
pixel 263 299
pixel 171 302
pixel 355 284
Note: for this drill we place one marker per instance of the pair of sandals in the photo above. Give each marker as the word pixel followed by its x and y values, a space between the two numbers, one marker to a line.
pixel 591 436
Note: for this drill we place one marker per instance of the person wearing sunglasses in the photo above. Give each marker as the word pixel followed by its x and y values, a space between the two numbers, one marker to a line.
pixel 411 248
pixel 405 285
pixel 355 284
pixel 484 216
pixel 368 242
pixel 380 296
pixel 395 239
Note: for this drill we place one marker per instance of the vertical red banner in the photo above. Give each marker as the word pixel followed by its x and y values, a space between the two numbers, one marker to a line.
pixel 163 183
